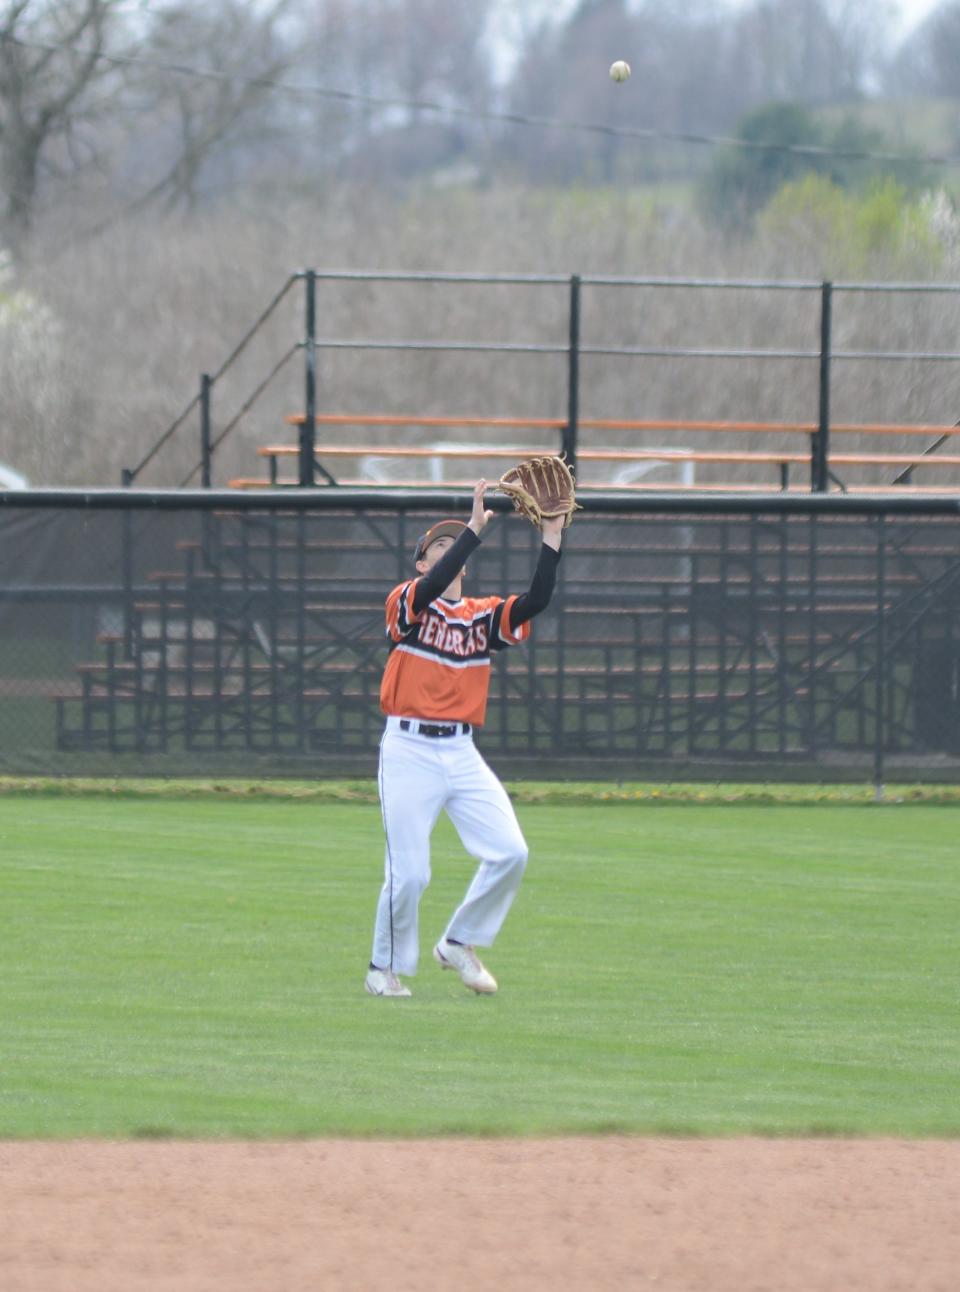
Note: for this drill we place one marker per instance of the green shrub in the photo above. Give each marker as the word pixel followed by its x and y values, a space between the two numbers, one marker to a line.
pixel 848 233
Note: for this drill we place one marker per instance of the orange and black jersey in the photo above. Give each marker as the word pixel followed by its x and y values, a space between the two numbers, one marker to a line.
pixel 439 664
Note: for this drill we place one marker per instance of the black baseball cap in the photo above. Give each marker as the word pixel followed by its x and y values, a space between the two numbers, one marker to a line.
pixel 442 529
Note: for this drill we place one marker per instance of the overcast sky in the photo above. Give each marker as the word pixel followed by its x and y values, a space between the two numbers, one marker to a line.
pixel 914 11
pixel 911 11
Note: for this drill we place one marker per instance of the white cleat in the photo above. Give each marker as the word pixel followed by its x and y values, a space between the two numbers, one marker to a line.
pixel 465 961
pixel 384 982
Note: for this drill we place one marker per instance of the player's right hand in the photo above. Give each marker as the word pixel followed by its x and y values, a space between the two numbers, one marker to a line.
pixel 479 517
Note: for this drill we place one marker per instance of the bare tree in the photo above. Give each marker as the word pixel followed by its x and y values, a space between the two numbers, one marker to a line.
pixel 795 51
pixel 159 95
pixel 929 61
pixel 866 29
pixel 676 86
pixel 194 121
pixel 563 74
pixel 51 71
pixel 410 52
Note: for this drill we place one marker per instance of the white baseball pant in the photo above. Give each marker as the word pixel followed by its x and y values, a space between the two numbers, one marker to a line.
pixel 420 775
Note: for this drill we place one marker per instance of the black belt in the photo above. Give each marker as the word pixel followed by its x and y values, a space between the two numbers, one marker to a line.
pixel 435 728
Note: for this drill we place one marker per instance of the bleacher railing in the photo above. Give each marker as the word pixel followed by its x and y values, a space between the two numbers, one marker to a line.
pixel 822 358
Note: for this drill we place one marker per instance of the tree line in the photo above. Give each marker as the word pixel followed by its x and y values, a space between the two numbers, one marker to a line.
pixel 150 104
pixel 165 166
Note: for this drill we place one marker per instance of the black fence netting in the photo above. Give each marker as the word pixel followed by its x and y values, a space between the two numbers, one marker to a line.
pixel 229 640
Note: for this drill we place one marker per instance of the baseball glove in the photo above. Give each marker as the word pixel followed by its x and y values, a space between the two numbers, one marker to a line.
pixel 541 488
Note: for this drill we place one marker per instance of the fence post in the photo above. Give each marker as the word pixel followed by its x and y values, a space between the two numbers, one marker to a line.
pixel 573 376
pixel 206 455
pixel 309 427
pixel 880 678
pixel 820 449
pixel 126 562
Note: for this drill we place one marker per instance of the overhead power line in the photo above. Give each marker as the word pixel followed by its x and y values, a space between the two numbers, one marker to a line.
pixel 504 118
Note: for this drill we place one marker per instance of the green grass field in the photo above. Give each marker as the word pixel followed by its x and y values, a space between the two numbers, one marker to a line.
pixel 194 967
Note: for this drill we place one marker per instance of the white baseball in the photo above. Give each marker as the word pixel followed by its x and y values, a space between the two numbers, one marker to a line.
pixel 619 71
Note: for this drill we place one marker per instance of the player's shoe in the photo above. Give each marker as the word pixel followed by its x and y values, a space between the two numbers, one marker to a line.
pixel 384 982
pixel 465 961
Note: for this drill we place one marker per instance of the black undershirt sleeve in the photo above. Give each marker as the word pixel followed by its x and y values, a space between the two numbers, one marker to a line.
pixel 537 597
pixel 430 585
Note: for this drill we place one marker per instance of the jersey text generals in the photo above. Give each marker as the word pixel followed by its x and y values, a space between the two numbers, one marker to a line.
pixel 439 665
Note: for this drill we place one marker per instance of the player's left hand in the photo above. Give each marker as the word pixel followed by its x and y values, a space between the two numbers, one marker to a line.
pixel 479 517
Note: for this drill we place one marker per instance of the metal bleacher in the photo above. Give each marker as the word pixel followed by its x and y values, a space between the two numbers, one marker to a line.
pixel 680 631
pixel 673 637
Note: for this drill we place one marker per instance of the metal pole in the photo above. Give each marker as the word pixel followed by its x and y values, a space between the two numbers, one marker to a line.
pixel 820 456
pixel 573 376
pixel 126 561
pixel 206 454
pixel 206 457
pixel 309 427
pixel 880 679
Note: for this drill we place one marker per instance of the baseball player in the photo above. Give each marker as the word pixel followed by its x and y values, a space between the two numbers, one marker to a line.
pixel 434 693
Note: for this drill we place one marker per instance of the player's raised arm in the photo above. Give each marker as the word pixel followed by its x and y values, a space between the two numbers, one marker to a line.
pixel 437 574
pixel 537 597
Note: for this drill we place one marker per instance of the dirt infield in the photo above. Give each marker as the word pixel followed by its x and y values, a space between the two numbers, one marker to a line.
pixel 744 1215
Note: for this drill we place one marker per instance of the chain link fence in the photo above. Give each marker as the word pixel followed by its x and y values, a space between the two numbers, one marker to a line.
pixel 209 634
